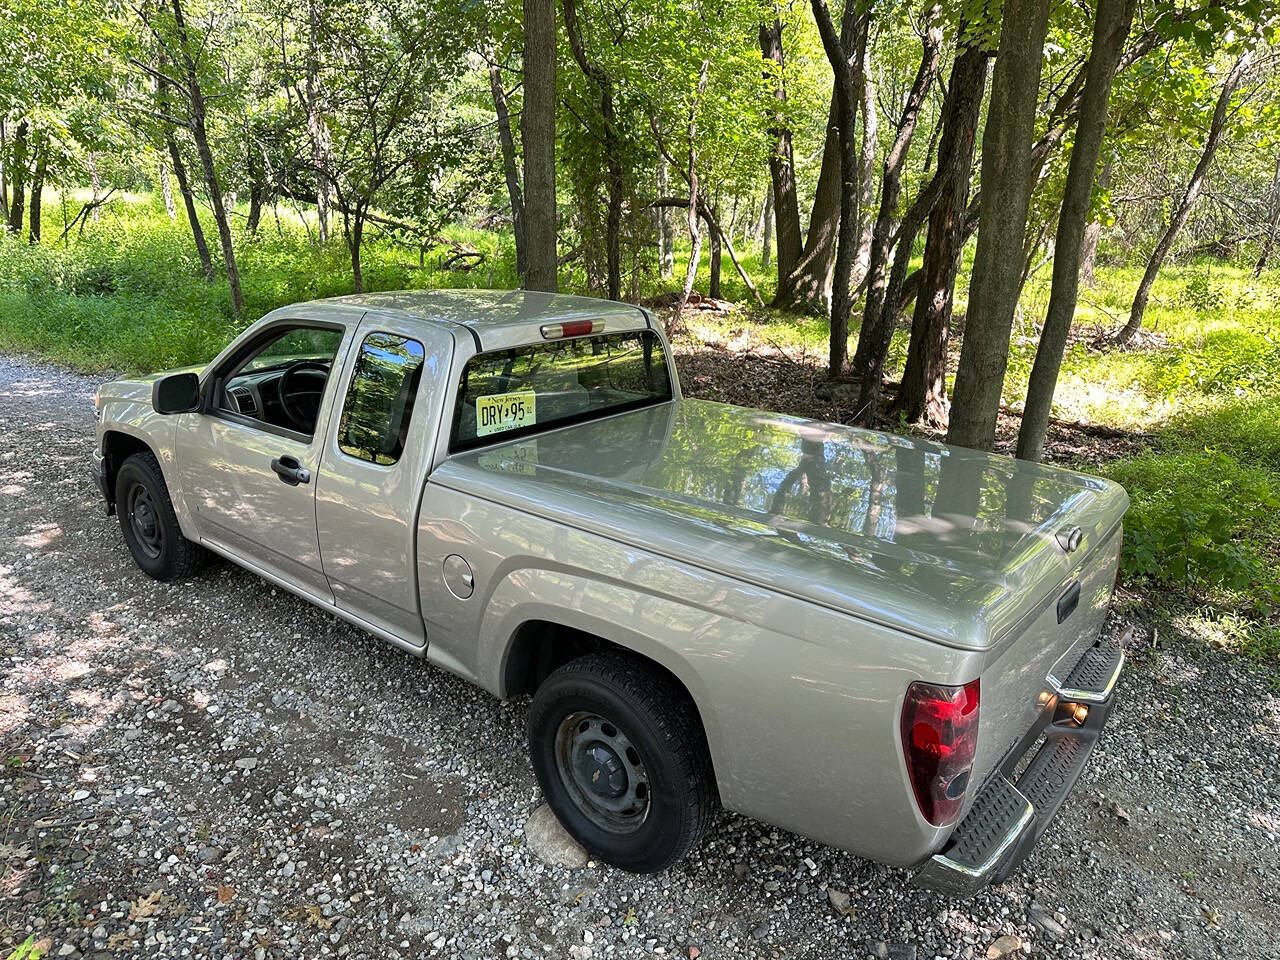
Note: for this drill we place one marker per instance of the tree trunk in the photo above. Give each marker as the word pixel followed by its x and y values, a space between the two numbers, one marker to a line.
pixel 1273 226
pixel 1092 234
pixel 997 269
pixel 867 170
pixel 864 359
pixel 18 177
pixel 189 202
pixel 786 209
pixel 317 130
pixel 923 394
pixel 1189 197
pixel 257 189
pixel 766 243
pixel 355 240
pixel 807 287
pixel 509 169
pixel 1110 29
pixel 538 137
pixel 846 92
pixel 166 188
pixel 691 217
pixel 4 170
pixel 95 184
pixel 666 229
pixel 199 131
pixel 37 188
pixel 714 254
pixel 615 184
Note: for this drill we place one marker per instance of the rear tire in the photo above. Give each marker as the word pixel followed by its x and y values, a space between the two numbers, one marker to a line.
pixel 149 523
pixel 622 759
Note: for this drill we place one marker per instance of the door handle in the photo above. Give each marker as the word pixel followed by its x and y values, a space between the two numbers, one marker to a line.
pixel 290 471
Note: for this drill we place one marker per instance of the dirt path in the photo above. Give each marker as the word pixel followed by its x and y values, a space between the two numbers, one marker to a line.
pixel 217 769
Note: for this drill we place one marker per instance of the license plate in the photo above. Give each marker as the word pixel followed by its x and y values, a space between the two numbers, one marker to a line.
pixel 500 412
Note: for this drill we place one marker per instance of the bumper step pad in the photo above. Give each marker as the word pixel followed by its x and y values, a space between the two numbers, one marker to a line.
pixel 1011 811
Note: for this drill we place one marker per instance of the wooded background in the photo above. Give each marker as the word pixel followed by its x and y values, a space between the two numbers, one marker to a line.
pixel 925 213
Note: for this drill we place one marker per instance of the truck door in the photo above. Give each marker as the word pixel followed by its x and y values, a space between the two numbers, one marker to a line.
pixel 247 460
pixel 377 454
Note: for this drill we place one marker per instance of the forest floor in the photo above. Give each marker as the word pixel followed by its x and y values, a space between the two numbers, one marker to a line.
pixel 174 785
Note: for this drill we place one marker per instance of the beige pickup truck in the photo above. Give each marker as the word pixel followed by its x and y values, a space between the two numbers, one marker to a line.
pixel 889 645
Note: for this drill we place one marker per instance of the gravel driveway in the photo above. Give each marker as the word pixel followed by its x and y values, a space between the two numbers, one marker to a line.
pixel 217 769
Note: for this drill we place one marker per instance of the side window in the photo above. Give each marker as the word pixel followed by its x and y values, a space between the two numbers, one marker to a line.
pixel 281 382
pixel 379 403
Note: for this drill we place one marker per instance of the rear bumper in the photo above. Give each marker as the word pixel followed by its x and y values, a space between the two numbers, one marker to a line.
pixel 98 470
pixel 1018 802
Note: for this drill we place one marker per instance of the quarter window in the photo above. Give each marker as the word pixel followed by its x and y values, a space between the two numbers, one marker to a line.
pixel 379 403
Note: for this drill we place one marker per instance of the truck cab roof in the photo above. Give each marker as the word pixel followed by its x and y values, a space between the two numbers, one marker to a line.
pixel 496 318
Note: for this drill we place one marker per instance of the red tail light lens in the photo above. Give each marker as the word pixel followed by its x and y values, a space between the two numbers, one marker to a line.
pixel 939 738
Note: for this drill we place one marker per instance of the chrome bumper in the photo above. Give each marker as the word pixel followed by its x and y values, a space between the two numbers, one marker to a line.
pixel 1012 811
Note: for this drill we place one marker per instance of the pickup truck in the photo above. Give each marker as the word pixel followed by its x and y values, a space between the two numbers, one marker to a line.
pixel 886 644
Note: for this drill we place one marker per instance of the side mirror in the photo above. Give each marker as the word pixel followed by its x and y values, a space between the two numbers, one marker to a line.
pixel 176 393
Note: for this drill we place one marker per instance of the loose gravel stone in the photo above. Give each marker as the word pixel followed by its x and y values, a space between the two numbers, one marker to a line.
pixel 390 810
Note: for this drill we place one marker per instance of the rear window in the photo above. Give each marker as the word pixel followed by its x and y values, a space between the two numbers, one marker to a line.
pixel 509 393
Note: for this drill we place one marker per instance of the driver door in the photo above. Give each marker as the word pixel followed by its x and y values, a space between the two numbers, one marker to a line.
pixel 249 460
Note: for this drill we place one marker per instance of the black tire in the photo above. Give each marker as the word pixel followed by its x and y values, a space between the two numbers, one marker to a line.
pixel 149 523
pixel 646 710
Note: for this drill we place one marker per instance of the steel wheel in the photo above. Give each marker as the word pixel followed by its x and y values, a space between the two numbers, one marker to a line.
pixel 144 521
pixel 603 772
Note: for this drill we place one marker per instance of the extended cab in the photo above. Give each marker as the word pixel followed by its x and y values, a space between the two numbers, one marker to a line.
pixel 886 644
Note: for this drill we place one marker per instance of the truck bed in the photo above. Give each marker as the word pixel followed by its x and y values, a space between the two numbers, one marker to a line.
pixel 940 542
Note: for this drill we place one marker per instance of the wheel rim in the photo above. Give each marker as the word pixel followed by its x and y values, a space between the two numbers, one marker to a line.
pixel 603 772
pixel 144 522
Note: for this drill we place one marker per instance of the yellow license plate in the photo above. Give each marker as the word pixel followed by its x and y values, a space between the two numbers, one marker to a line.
pixel 500 412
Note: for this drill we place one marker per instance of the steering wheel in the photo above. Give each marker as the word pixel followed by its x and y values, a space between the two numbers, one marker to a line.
pixel 302 404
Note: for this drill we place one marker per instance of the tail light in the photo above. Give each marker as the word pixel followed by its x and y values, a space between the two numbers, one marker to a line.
pixel 939 738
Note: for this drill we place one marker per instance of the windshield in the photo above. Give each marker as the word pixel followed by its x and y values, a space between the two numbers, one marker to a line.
pixel 509 393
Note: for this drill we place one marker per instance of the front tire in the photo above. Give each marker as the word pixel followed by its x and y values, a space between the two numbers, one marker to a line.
pixel 621 757
pixel 149 523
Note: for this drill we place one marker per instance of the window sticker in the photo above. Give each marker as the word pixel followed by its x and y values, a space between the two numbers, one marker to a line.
pixel 499 412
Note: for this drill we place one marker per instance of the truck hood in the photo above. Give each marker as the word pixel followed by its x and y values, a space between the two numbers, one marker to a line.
pixel 942 542
pixel 139 388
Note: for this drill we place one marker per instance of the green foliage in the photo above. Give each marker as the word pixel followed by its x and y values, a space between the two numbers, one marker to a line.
pixel 130 296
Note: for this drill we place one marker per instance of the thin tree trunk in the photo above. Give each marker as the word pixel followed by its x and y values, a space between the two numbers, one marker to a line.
pixel 257 188
pixel 997 269
pixel 786 209
pixel 766 220
pixel 189 202
pixel 37 189
pixel 166 188
pixel 317 130
pixel 18 177
pixel 509 169
pixel 4 170
pixel 615 183
pixel 95 184
pixel 890 193
pixel 691 217
pixel 714 252
pixel 727 242
pixel 1093 234
pixel 1273 226
pixel 1189 197
pixel 199 131
pixel 923 393
pixel 538 129
pixel 355 241
pixel 846 92
pixel 867 170
pixel 666 229
pixel 1110 29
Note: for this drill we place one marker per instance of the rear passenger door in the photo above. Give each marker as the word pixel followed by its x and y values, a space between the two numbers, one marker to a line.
pixel 377 454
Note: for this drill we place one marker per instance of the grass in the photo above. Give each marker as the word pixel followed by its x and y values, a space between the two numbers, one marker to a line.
pixel 1203 388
